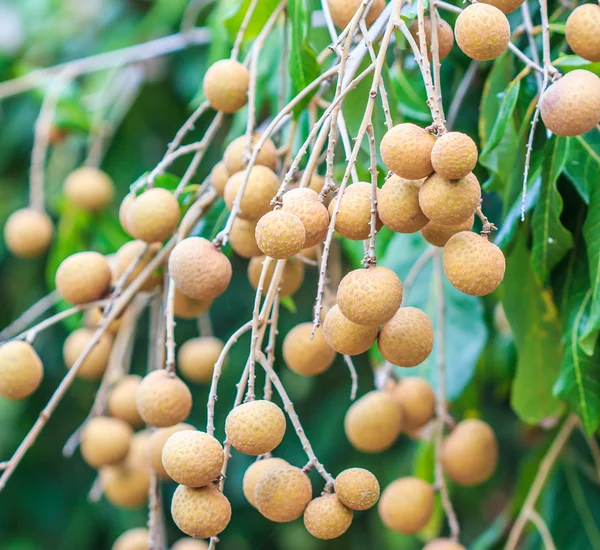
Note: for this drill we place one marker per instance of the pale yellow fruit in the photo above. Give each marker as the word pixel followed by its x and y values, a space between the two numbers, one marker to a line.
pixel 83 277
pixel 94 364
pixel 93 317
pixel 357 488
pixel 406 505
pixel 89 188
pixel 417 400
pixel 311 253
pixel 406 340
pixel 134 539
pixel 443 544
pixel 253 473
pixel 234 154
pixel 473 264
pixel 454 155
pixel 188 308
pixel 280 234
pixel 304 355
pixel 326 517
pixel 291 280
pixel 21 370
pixel 398 205
pixel 105 441
pixel 163 400
pixel 342 11
pixel 282 493
pixel 156 443
pixel 445 36
pixel 190 544
pixel 201 512
pixel 129 254
pixel 438 235
pixel 28 233
pixel 478 45
pixel 139 454
pixel 121 401
pixel 218 178
pixel 198 269
pixel 354 215
pixel 505 6
pixel 226 85
pixel 406 151
pixel 124 211
pixel 256 427
pixel 153 216
pixel 261 188
pixel 373 422
pixel 347 337
pixel 369 297
pixel 304 203
pixel 449 202
pixel 583 31
pixel 243 239
pixel 197 357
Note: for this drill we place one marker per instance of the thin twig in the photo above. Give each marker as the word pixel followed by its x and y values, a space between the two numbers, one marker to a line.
pixel 525 12
pixel 242 30
pixel 353 377
pixel 543 530
pixel 30 315
pixel 370 258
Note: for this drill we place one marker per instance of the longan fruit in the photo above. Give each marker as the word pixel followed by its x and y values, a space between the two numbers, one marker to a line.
pixel 398 205
pixel 354 214
pixel 93 317
pixel 369 297
pixel 445 36
pixel 282 493
pixel 438 234
pixel 454 155
pixel 406 340
pixel 443 544
pixel 253 473
pixel 128 254
pixel 187 308
pixel 357 488
pixel 505 6
pixel 280 234
pixel 156 444
pixel 218 178
pixel 139 455
pixel 83 277
pixel 124 211
pixel 153 216
pixel 305 356
pixel 406 505
pixel 234 154
pixel 201 512
pixel 470 453
pixel 583 31
pixel 95 363
pixel 347 337
pixel 198 269
pixel 189 544
pixel 291 280
pixel 105 441
pixel 373 422
pixel 121 400
pixel 256 427
pixel 406 151
pixel 342 11
pixel 326 517
pixel 125 486
pixel 134 539
pixel 28 233
pixel 478 45
pixel 21 370
pixel 449 202
pixel 311 253
pixel 89 188
pixel 163 400
pixel 571 105
pixel 243 239
pixel 417 400
pixel 226 85
pixel 197 357
pixel 304 203
pixel 473 264
pixel 192 458
pixel 261 188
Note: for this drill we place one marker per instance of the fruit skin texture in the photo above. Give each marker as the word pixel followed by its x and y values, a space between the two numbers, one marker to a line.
pixel 342 11
pixel 304 203
pixel 443 544
pixel 282 493
pixel 156 444
pixel 473 264
pixel 153 216
pixel 83 277
pixel 192 458
pixel 226 85
pixel 254 472
pixel 571 106
pixel 129 253
pixel 163 400
pixel 134 539
pixel 406 151
pixel 197 357
pixel 105 441
pixel 406 505
pixel 373 422
pixel 89 188
pixel 357 488
pixel 470 453
pixel 478 45
pixel 280 234
pixel 243 240
pixel 417 400
pixel 305 356
pixel 291 280
pixel 583 26
pixel 398 205
pixel 21 370
pixel 189 544
pixel 201 512
pixel 444 32
pixel 347 337
pixel 326 517
pixel 454 155
pixel 369 297
pixel 449 202
pixel 198 269
pixel 406 340
pixel 261 188
pixel 354 214
pixel 438 235
pixel 121 401
pixel 94 364
pixel 218 178
pixel 189 308
pixel 505 6
pixel 234 154
pixel 256 427
pixel 28 233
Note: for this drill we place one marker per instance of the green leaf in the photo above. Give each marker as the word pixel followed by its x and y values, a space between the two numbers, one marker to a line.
pixel 233 20
pixel 288 303
pixel 591 234
pixel 571 62
pixel 582 165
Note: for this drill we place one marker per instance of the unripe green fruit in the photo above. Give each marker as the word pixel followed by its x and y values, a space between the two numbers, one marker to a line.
pixel 89 188
pixel 243 238
pixel 291 280
pixel 342 11
pixel 121 401
pixel 406 505
pixel 261 188
pixel 280 235
pixel 505 6
pixel 357 488
pixel 304 355
pixel 454 155
pixel 478 45
pixel 153 216
pixel 304 203
pixel 282 493
pixel 326 517
pixel 95 363
pixel 347 337
pixel 197 357
pixel 254 472
pixel 21 370
pixel 218 178
pixel 406 151
pixel 398 205
pixel 438 235
pixel 128 254
pixel 156 444
pixel 583 31
pixel 226 85
pixel 354 214
pixel 201 512
pixel 445 36
pixel 83 277
pixel 163 399
pixel 134 539
pixel 105 441
pixel 189 308
pixel 28 233
pixel 190 544
pixel 443 544
pixel 417 400
pixel 234 154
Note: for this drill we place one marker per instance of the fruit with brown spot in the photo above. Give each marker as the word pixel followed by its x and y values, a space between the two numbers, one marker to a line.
pixel 357 488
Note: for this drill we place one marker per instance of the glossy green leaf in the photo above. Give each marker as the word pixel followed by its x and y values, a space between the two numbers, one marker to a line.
pixel 582 165
pixel 233 20
pixel 591 234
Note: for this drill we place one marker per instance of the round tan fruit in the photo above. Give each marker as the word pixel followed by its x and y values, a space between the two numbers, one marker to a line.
pixel 197 357
pixel 304 203
pixel 342 11
pixel 373 422
pixel 226 85
pixel 282 493
pixel 198 269
pixel 21 370
pixel 256 427
pixel 261 188
pixel 234 154
pixel 347 337
pixel 357 488
pixel 28 233
pixel 354 214
pixel 438 235
pixel 478 45
pixel 189 544
pixel 398 205
pixel 125 486
pixel 243 238
pixel 93 317
pixel 83 277
pixel 89 188
pixel 163 400
pixel 326 517
pixel 142 253
pixel 583 31
pixel 369 297
pixel 124 211
pixel 454 155
pixel 291 280
pixel 406 505
pixel 94 364
pixel 449 202
pixel 443 544
pixel 417 400
pixel 470 453
pixel 254 472
pixel 571 106
pixel 153 216
pixel 105 441
pixel 445 36
pixel 121 401
pixel 201 512
pixel 280 234
pixel 406 340
pixel 473 264
pixel 188 308
pixel 305 356
pixel 134 539
pixel 218 178
pixel 406 151
pixel 505 6
pixel 156 444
